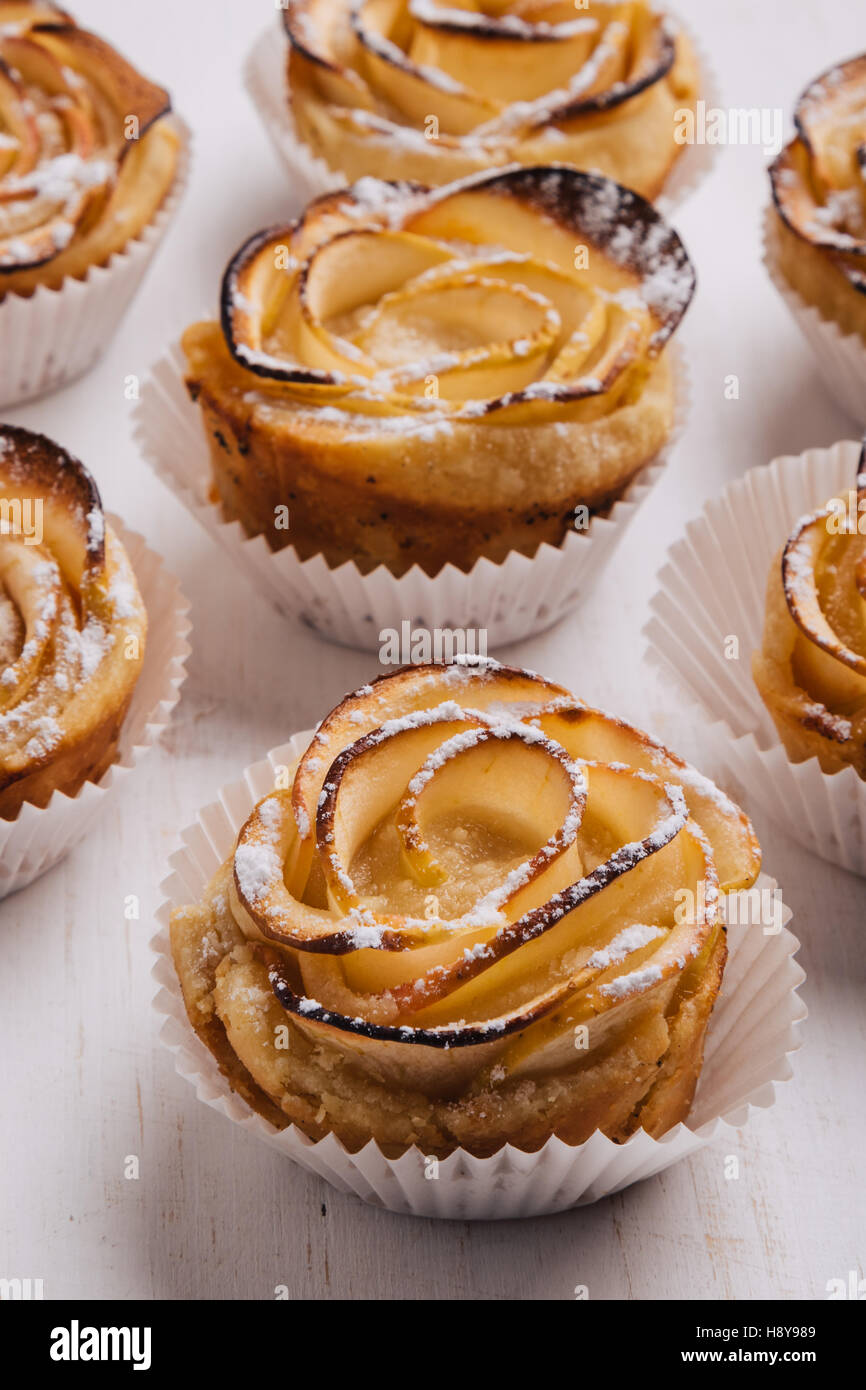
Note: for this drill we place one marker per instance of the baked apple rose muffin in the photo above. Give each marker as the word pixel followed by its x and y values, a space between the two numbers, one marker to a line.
pixel 88 152
pixel 436 91
pixel 72 625
pixel 818 230
pixel 811 669
pixel 432 376
pixel 476 911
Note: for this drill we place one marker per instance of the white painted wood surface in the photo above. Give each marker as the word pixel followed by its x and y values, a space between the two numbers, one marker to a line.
pixel 86 1083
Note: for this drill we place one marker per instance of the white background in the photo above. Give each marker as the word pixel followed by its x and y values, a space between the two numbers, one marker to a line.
pixel 215 1213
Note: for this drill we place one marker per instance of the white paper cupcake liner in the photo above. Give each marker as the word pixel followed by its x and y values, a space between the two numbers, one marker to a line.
pixel 698 161
pixel 752 1033
pixel 39 838
pixel 266 81
pixel 840 357
pixel 510 600
pixel 49 338
pixel 713 586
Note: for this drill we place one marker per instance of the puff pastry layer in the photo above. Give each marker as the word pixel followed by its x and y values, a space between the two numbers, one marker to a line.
pixel 811 670
pixel 72 625
pixel 819 193
pixel 407 375
pixel 480 911
pixel 87 152
pixel 419 89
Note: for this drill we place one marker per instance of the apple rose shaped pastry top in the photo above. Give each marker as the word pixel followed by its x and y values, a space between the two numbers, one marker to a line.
pixel 86 152
pixel 811 670
pixel 417 375
pixel 72 625
pixel 478 911
pixel 415 88
pixel 819 194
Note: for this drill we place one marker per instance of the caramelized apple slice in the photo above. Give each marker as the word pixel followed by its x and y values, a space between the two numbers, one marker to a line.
pixel 20 127
pixel 407 694
pixel 414 87
pixel 318 30
pixel 817 179
pixel 549 213
pixel 814 564
pixel 68 101
pixel 509 58
pixel 824 583
pixel 31 578
pixel 381 287
pixel 510 768
pixel 584 732
pixel 122 92
pixel 830 121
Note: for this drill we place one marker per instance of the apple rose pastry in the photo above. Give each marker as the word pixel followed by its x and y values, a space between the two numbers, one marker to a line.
pixel 811 670
pixel 419 89
pixel 87 154
pixel 411 375
pixel 818 233
pixel 72 625
pixel 476 911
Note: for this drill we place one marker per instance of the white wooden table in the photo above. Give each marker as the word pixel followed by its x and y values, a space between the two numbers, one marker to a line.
pixel 214 1213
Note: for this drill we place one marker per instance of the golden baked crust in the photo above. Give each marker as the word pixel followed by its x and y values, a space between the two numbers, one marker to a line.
pixel 72 625
pixel 482 913
pixel 811 670
pixel 818 233
pixel 418 89
pixel 87 150
pixel 414 376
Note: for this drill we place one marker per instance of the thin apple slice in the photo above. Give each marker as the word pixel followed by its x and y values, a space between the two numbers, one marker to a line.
pixel 318 31
pixel 551 212
pixel 830 121
pixel 584 731
pixel 506 58
pixel 813 556
pixel 125 92
pixel 412 86
pixel 31 578
pixel 817 179
pixel 382 287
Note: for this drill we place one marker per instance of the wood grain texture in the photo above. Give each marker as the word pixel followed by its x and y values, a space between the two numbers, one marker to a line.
pixel 214 1213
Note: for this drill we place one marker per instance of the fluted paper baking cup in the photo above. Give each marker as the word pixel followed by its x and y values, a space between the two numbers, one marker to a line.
pixel 52 336
pixel 840 357
pixel 713 587
pixel 266 80
pixel 699 160
pixel 40 837
pixel 510 600
pixel 753 1031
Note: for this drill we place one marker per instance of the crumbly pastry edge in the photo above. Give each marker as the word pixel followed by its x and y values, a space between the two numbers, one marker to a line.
pixel 248 461
pixel 524 1114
